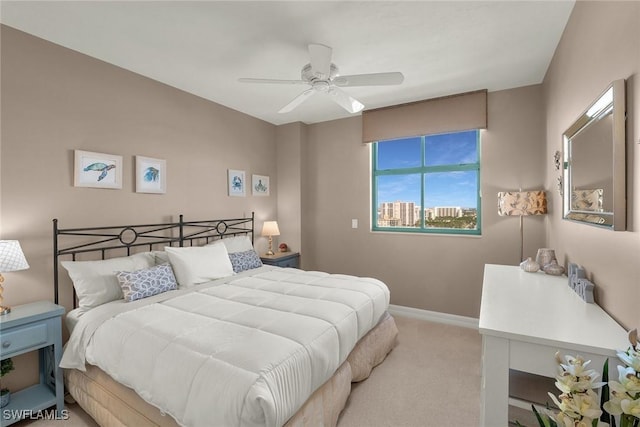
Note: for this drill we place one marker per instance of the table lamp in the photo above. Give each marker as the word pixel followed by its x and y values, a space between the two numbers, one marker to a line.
pixel 270 228
pixel 11 259
pixel 522 203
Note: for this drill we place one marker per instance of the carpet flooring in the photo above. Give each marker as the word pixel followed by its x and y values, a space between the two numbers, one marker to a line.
pixel 432 378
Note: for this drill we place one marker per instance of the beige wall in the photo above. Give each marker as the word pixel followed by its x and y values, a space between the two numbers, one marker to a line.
pixel 291 139
pixel 55 100
pixel 601 43
pixel 432 272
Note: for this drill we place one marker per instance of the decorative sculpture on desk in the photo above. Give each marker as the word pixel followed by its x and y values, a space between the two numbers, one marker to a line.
pixel 579 283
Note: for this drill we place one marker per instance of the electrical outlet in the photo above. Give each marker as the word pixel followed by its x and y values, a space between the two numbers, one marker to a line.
pixel 354 223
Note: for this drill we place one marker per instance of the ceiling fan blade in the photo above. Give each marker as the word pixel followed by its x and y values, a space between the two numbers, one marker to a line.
pixel 297 101
pixel 320 60
pixel 375 79
pixel 350 104
pixel 283 82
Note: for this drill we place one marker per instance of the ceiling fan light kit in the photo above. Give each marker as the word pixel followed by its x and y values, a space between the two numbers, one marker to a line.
pixel 323 76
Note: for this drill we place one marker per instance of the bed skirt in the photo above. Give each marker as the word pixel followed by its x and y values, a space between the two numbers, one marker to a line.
pixel 110 403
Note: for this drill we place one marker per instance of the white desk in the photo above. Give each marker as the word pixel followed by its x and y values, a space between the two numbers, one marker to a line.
pixel 524 319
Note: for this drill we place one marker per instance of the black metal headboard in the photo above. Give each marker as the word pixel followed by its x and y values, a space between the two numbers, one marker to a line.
pixel 123 238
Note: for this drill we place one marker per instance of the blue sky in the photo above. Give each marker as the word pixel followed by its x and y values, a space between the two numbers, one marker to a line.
pixel 442 189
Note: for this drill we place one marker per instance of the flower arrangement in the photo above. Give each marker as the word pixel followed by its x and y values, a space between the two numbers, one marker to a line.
pixel 624 399
pixel 579 404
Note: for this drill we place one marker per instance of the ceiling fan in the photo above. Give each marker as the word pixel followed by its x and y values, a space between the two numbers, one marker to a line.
pixel 322 75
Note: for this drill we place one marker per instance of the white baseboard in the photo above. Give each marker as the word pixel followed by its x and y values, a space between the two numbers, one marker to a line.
pixel 434 316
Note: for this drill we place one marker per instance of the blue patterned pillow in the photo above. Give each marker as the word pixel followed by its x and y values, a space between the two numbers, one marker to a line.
pixel 147 282
pixel 246 260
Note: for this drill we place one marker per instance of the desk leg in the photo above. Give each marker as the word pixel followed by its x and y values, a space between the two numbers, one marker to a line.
pixel 495 382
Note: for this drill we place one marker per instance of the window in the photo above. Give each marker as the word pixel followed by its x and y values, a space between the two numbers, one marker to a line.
pixel 427 184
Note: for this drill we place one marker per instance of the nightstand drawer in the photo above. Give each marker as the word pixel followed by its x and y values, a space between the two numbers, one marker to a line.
pixel 23 338
pixel 289 263
pixel 282 259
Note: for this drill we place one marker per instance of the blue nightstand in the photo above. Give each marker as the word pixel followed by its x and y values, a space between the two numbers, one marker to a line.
pixel 282 259
pixel 30 327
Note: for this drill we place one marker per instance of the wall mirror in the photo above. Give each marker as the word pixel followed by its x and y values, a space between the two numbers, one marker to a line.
pixel 594 162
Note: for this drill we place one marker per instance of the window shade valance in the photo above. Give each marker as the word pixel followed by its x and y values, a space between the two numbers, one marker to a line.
pixel 439 115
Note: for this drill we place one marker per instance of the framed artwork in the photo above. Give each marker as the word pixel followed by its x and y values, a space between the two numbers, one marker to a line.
pixel 260 185
pixel 236 183
pixel 151 175
pixel 97 170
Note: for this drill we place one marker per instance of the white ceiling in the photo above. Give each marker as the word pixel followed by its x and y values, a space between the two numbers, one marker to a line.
pixel 203 47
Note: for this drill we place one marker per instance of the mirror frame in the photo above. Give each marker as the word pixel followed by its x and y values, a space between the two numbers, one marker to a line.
pixel 616 219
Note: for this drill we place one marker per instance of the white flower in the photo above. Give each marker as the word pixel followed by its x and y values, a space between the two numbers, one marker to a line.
pixel 618 392
pixel 569 383
pixel 573 377
pixel 625 395
pixel 566 421
pixel 631 407
pixel 629 380
pixel 631 358
pixel 578 406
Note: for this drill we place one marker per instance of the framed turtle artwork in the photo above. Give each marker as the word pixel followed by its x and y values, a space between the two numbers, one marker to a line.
pixel 97 170
pixel 151 175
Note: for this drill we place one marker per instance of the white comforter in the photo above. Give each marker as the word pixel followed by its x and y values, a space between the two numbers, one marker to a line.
pixel 243 351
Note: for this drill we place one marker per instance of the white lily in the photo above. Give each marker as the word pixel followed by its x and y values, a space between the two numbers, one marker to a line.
pixel 631 358
pixel 578 406
pixel 565 421
pixel 629 380
pixel 573 377
pixel 587 380
pixel 631 407
pixel 617 393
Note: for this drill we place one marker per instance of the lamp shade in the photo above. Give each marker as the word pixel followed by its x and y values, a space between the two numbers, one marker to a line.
pixel 11 256
pixel 522 203
pixel 270 228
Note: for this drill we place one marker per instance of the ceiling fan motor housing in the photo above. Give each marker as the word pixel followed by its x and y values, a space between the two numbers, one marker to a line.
pixel 311 77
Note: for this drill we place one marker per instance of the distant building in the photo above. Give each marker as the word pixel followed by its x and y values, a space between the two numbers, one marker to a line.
pixel 429 213
pixel 388 222
pixel 407 214
pixel 452 211
pixel 401 213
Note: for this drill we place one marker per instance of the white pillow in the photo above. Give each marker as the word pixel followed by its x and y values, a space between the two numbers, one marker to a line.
pixel 96 282
pixel 199 264
pixel 235 244
pixel 161 257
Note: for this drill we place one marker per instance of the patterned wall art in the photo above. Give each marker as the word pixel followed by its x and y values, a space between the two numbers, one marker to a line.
pixel 236 183
pixel 97 170
pixel 151 175
pixel 587 200
pixel 260 185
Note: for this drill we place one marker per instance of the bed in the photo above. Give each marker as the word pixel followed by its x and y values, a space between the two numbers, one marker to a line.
pixel 180 324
